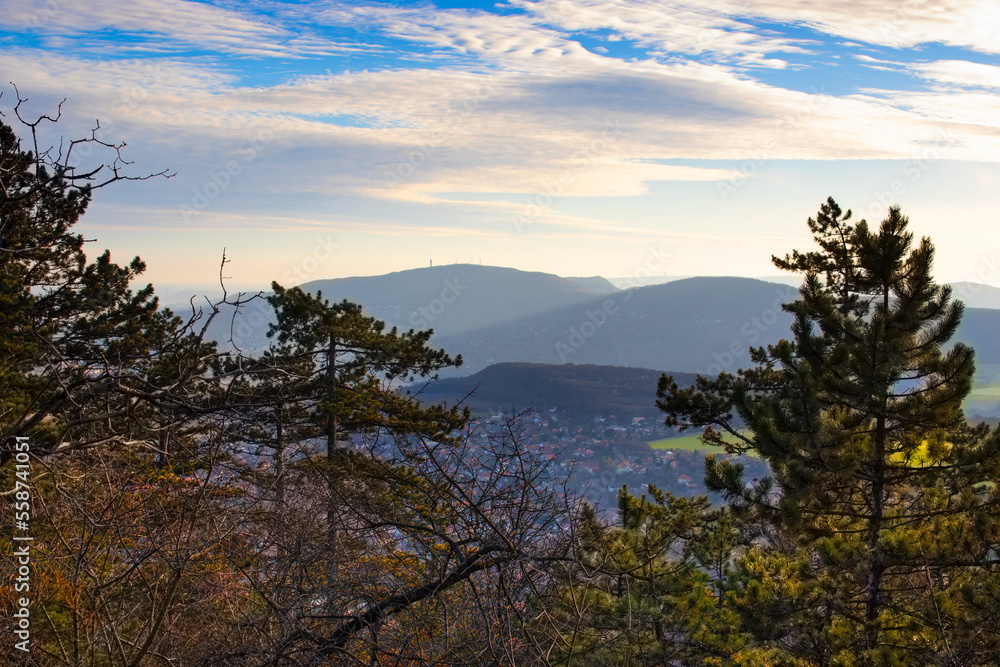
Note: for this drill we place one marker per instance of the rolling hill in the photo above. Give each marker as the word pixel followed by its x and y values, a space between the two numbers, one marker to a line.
pixel 491 315
pixel 581 390
pixel 457 297
pixel 449 299
pixel 980 328
pixel 689 325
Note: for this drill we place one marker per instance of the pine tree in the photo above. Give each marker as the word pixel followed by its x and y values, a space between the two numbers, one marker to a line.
pixel 356 367
pixel 881 512
pixel 345 364
pixel 647 590
pixel 84 358
pixel 394 502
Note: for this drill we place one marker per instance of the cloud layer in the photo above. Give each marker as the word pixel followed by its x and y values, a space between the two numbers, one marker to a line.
pixel 477 117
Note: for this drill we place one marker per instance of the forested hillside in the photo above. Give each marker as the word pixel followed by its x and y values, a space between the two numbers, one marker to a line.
pixel 579 390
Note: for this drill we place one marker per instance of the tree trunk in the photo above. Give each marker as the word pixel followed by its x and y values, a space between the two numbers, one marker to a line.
pixel 876 560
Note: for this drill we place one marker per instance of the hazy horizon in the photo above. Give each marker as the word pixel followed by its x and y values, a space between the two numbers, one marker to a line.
pixel 175 293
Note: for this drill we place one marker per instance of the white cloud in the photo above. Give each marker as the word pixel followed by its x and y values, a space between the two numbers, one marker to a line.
pixel 152 26
pixel 964 23
pixel 960 73
pixel 430 132
pixel 465 32
pixel 723 28
pixel 516 107
pixel 668 28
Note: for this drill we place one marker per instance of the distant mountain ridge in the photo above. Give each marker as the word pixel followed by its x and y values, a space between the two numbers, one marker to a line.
pixel 449 299
pixel 595 284
pixel 690 325
pixel 491 315
pixel 456 297
pixel 695 325
pixel 976 295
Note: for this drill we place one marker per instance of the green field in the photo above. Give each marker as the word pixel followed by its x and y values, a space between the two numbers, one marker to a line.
pixel 691 443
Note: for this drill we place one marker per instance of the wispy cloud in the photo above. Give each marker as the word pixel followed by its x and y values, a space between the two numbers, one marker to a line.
pixel 961 73
pixel 961 23
pixel 670 29
pixel 155 25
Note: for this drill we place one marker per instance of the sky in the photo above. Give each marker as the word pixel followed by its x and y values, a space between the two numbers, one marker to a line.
pixel 324 139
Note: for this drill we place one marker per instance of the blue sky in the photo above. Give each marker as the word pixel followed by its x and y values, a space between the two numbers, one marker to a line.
pixel 578 137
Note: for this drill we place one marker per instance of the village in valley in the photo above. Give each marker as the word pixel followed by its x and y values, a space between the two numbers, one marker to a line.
pixel 600 454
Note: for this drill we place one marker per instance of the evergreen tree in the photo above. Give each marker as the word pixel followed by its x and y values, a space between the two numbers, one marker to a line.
pixel 355 367
pixel 110 390
pixel 84 359
pixel 647 590
pixel 881 513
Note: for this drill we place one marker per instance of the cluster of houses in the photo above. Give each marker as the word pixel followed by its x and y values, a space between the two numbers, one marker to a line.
pixel 602 452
